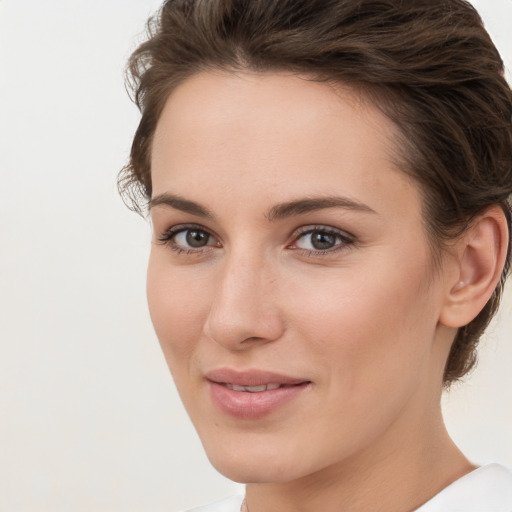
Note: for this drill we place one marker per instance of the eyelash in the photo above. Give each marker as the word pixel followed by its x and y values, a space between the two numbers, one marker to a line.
pixel 344 239
pixel 168 239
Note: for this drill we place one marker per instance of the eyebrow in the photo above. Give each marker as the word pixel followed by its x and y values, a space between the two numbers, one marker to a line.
pixel 277 212
pixel 180 203
pixel 307 205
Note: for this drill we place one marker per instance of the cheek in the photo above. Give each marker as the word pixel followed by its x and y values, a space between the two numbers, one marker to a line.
pixel 370 341
pixel 369 321
pixel 178 304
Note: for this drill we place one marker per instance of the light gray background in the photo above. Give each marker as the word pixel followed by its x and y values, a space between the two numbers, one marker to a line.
pixel 89 418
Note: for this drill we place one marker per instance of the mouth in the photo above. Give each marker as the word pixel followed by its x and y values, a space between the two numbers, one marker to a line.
pixel 256 389
pixel 253 389
pixel 253 394
pixel 252 380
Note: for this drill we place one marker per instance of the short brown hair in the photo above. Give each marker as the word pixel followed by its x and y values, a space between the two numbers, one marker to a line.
pixel 429 65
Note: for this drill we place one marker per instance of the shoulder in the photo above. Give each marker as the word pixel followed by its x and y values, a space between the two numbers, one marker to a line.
pixel 487 488
pixel 231 504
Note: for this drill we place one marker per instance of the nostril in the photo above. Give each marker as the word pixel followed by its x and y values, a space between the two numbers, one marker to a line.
pixel 242 312
pixel 241 334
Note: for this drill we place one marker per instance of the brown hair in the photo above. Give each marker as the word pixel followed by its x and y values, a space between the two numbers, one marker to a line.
pixel 429 65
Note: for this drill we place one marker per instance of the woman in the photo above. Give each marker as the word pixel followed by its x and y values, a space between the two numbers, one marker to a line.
pixel 329 185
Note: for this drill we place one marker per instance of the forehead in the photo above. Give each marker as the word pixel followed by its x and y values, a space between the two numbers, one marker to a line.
pixel 242 104
pixel 273 133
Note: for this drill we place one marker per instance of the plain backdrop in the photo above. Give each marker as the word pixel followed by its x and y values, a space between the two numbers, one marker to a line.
pixel 89 418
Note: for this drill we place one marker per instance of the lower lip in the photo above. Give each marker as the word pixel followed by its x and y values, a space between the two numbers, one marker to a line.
pixel 247 405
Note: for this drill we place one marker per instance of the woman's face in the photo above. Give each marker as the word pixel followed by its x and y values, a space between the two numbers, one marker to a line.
pixel 289 255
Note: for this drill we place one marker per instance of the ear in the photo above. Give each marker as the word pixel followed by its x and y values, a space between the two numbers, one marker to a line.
pixel 480 257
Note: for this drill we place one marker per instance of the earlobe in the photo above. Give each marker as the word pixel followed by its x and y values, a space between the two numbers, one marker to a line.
pixel 481 254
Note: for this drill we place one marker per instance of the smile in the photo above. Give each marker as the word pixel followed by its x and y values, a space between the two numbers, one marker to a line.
pixel 253 389
pixel 253 394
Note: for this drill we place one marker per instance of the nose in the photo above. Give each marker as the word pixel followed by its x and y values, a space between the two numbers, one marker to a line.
pixel 244 309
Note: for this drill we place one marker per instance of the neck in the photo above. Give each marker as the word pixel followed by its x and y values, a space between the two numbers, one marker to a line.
pixel 397 473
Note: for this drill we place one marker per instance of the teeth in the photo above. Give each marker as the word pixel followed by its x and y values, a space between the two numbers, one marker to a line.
pixel 253 389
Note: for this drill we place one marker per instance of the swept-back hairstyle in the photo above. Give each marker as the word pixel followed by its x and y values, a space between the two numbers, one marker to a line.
pixel 429 65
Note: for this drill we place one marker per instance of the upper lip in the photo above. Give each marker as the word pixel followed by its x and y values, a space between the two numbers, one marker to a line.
pixel 251 377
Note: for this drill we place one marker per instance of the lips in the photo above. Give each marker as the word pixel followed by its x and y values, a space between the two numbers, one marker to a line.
pixel 252 394
pixel 251 378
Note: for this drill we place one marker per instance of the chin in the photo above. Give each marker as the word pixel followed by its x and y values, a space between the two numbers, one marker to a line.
pixel 256 464
pixel 246 473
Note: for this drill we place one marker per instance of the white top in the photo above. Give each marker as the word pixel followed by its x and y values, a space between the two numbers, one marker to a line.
pixel 486 489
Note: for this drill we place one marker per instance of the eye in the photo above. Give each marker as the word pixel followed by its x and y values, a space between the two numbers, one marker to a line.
pixel 188 238
pixel 192 238
pixel 322 239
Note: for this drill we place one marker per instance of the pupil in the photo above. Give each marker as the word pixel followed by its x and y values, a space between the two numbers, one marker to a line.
pixel 323 240
pixel 197 238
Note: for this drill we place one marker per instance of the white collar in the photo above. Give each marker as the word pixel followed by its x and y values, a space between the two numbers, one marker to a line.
pixel 486 489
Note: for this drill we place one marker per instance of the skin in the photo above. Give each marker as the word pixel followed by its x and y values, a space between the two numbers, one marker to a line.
pixel 366 321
